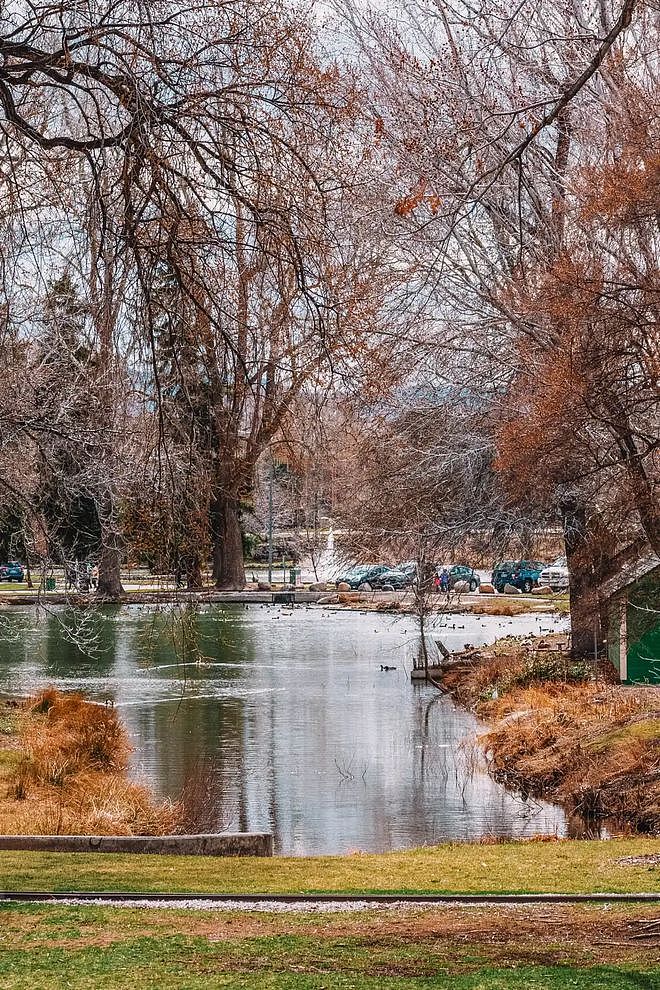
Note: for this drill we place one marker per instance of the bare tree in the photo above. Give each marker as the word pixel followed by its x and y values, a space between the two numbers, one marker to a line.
pixel 204 136
pixel 490 116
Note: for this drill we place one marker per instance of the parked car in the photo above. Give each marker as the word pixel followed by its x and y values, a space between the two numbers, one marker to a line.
pixel 409 568
pixel 522 574
pixel 363 574
pixel 461 572
pixel 555 576
pixel 11 572
pixel 500 571
pixel 396 578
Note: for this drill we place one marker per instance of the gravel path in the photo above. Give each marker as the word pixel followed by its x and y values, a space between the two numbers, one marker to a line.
pixel 266 907
pixel 339 906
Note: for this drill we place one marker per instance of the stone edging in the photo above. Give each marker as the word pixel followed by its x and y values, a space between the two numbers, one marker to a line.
pixel 214 844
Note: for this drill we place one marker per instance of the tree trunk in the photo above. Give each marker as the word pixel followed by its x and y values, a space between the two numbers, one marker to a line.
pixel 194 573
pixel 646 501
pixel 228 563
pixel 584 597
pixel 527 542
pixel 109 584
pixel 643 491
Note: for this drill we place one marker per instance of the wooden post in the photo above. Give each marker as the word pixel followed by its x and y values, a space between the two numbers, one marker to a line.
pixel 623 640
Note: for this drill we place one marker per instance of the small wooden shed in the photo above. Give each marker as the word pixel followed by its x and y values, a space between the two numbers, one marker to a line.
pixel 633 627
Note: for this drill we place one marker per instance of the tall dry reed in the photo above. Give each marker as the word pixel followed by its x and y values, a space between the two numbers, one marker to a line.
pixel 72 776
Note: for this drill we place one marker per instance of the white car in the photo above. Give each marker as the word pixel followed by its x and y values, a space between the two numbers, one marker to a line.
pixel 555 576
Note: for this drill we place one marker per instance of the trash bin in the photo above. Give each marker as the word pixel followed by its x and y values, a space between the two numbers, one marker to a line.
pixel 50 584
pixel 295 576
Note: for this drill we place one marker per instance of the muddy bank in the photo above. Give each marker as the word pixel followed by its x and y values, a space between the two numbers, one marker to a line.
pixel 563 731
pixel 64 770
pixel 476 604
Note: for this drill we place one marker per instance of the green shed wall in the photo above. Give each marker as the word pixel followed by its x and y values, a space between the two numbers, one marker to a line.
pixel 643 624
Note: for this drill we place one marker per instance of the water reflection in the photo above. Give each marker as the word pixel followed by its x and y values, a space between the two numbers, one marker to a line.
pixel 282 719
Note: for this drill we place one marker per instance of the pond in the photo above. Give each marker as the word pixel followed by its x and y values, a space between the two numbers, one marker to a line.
pixel 277 719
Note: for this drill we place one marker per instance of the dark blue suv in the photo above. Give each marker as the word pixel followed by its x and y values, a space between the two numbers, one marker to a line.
pixel 522 574
pixel 11 572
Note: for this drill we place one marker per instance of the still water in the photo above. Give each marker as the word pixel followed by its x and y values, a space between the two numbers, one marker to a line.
pixel 282 720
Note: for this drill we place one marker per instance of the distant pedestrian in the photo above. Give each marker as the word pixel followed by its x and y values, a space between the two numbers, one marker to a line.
pixel 444 580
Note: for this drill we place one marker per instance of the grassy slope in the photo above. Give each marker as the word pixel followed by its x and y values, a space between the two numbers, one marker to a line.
pixel 569 866
pixel 83 948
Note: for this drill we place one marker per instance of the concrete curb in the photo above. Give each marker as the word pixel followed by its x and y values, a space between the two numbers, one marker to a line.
pixel 224 844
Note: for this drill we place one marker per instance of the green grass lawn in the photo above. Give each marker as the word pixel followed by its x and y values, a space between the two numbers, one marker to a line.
pixel 560 867
pixel 45 947
pixel 532 947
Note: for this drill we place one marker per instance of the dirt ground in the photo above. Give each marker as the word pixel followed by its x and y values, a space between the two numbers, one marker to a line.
pixel 534 934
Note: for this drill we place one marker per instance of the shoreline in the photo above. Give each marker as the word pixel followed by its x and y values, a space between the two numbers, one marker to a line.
pixel 385 601
pixel 555 733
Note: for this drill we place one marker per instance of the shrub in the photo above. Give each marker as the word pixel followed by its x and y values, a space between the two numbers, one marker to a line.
pixel 77 734
pixel 74 774
pixel 550 666
pixel 42 704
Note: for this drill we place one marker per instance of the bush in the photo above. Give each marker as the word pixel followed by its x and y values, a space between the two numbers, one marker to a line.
pixel 77 734
pixel 73 773
pixel 43 703
pixel 251 545
pixel 548 666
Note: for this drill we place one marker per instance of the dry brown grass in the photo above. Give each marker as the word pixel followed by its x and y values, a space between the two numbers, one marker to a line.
pixel 508 608
pixel 595 747
pixel 69 774
pixel 471 682
pixel 73 735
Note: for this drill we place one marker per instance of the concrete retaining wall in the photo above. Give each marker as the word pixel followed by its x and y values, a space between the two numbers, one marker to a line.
pixel 156 598
pixel 226 844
